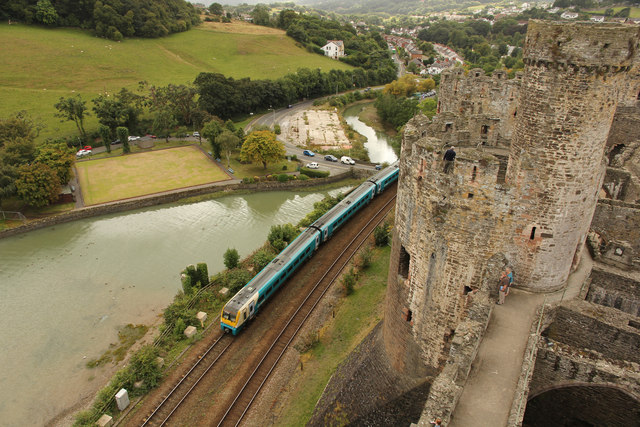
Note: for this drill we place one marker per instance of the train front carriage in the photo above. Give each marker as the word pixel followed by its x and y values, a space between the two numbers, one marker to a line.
pixel 247 302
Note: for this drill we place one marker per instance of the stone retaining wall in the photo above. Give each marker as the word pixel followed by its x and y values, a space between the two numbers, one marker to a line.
pixel 448 385
pixel 169 197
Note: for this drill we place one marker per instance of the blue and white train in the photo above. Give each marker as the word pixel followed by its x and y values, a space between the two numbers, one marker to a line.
pixel 248 301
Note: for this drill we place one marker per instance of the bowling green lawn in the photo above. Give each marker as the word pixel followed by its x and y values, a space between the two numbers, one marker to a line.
pixel 139 174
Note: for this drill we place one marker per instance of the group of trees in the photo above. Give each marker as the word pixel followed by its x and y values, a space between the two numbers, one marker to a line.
pixel 113 19
pixel 33 173
pixel 226 97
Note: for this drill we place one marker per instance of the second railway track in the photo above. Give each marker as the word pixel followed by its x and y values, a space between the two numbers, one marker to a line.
pixel 166 409
pixel 241 404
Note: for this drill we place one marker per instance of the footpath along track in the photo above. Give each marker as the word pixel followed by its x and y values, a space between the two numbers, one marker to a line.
pixel 249 391
pixel 179 404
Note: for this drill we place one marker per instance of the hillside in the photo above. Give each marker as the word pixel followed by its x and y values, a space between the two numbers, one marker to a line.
pixel 46 64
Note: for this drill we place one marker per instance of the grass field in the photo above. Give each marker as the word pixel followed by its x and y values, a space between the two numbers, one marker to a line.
pixel 41 65
pixel 115 178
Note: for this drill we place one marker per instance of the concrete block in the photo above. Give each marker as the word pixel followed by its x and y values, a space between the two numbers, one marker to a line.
pixel 160 361
pixel 224 291
pixel 139 384
pixel 122 399
pixel 105 420
pixel 190 331
pixel 202 317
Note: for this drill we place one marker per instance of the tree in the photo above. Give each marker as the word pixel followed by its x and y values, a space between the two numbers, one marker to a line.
pixel 227 141
pixel 216 9
pixel 18 151
pixel 262 146
pixel 426 85
pixel 144 363
pixel 110 112
pixel 58 156
pixel 37 184
pixel 122 109
pixel 179 99
pixel 17 148
pixel 123 136
pixel 429 107
pixel 211 130
pixel 231 258
pixel 73 109
pixel 260 15
pixel 8 176
pixel 281 235
pixel 413 68
pixel 105 134
pixel 163 122
pixel 46 13
pixel 19 126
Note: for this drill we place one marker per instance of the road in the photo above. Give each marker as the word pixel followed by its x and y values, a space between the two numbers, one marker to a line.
pixel 277 116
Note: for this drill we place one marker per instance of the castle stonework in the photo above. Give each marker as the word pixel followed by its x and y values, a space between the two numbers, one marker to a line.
pixel 567 102
pixel 548 163
pixel 527 196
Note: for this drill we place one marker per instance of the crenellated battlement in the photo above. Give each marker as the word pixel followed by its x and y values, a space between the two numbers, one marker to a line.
pixel 581 43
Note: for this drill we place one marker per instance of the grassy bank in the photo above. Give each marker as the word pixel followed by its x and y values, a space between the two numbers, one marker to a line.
pixel 46 64
pixel 354 318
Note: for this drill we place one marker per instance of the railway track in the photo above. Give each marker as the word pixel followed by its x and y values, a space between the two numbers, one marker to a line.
pixel 238 407
pixel 249 391
pixel 188 382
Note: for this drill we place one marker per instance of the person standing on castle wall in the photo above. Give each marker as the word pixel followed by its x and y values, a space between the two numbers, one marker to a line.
pixel 449 157
pixel 510 276
pixel 503 287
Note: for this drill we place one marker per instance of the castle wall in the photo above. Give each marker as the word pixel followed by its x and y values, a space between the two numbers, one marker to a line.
pixel 616 184
pixel 447 227
pixel 569 94
pixel 615 291
pixel 616 223
pixel 624 128
pixel 485 105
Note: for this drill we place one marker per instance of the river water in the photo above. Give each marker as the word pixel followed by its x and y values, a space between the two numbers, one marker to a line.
pixel 65 290
pixel 377 144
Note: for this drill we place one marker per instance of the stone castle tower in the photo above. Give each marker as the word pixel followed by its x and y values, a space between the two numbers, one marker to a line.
pixel 527 203
pixel 568 98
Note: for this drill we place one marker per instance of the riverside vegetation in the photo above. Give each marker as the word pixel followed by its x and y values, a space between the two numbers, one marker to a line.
pixel 200 292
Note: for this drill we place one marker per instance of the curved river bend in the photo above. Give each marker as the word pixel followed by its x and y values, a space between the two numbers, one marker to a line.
pixel 377 144
pixel 65 290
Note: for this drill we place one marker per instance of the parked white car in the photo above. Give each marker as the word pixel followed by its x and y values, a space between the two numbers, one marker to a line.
pixel 312 165
pixel 82 153
pixel 196 134
pixel 347 160
pixel 133 138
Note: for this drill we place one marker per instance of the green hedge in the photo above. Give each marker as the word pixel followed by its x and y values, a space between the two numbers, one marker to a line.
pixel 314 173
